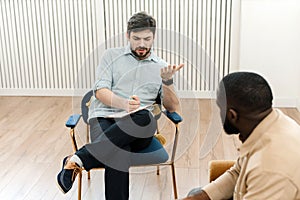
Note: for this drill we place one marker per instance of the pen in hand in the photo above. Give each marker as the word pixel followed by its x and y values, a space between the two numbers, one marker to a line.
pixel 133 103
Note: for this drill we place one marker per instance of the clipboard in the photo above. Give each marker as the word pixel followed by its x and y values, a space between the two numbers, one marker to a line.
pixel 125 113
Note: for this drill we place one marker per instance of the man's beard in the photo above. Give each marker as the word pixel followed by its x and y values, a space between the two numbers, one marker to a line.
pixel 229 128
pixel 141 56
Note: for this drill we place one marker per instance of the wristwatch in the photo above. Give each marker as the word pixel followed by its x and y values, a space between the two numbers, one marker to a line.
pixel 167 82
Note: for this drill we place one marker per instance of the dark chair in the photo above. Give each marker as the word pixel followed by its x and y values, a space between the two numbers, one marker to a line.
pixel 158 157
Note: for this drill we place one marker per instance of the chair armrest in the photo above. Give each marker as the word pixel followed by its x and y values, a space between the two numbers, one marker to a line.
pixel 173 116
pixel 218 167
pixel 73 120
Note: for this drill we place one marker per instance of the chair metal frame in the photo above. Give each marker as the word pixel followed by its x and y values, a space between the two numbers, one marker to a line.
pixel 174 117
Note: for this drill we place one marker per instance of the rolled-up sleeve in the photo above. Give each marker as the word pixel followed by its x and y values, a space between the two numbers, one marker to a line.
pixel 104 74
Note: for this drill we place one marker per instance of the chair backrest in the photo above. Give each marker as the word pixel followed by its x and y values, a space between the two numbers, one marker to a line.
pixel 85 105
pixel 157 107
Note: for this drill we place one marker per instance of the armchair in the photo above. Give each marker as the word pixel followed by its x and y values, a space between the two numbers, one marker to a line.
pixel 216 169
pixel 159 155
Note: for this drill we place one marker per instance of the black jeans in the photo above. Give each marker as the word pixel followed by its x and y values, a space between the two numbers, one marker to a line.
pixel 112 141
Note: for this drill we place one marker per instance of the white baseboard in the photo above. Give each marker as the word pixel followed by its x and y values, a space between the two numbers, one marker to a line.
pixel 197 95
pixel 285 102
pixel 278 102
pixel 80 92
pixel 42 92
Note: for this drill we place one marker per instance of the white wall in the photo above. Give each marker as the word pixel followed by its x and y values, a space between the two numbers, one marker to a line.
pixel 298 104
pixel 270 45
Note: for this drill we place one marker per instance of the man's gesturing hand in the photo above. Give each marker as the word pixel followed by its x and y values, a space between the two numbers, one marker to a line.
pixel 167 73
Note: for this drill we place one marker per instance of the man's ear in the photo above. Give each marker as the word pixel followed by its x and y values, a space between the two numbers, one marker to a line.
pixel 127 35
pixel 232 115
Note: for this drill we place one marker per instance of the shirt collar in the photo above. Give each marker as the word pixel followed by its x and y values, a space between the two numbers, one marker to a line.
pixel 152 56
pixel 255 137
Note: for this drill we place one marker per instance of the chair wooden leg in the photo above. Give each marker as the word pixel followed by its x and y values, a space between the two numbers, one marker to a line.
pixel 89 175
pixel 157 170
pixel 174 181
pixel 79 185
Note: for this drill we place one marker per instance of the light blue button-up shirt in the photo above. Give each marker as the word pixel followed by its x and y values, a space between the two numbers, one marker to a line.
pixel 123 74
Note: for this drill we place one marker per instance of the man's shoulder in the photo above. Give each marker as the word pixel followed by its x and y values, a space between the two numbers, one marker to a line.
pixel 112 54
pixel 115 50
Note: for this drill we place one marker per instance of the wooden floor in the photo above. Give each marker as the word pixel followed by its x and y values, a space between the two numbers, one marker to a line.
pixel 34 140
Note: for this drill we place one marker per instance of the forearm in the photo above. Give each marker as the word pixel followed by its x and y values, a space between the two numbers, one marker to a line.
pixel 110 99
pixel 170 99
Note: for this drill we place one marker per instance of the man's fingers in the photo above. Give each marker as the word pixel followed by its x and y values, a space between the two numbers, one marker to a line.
pixel 174 67
pixel 180 66
pixel 134 102
pixel 134 97
pixel 170 70
pixel 177 68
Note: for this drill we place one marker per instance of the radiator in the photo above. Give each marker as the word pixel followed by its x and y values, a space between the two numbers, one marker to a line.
pixel 53 47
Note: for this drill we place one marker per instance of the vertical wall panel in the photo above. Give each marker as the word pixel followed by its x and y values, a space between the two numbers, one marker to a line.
pixel 55 45
pixel 3 52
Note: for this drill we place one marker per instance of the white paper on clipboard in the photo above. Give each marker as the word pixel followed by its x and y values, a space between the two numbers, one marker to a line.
pixel 125 113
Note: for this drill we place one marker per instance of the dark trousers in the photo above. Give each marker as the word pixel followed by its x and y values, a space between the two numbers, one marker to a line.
pixel 112 141
pixel 198 190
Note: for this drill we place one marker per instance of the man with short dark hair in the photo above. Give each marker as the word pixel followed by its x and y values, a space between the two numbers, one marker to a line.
pixel 127 78
pixel 267 167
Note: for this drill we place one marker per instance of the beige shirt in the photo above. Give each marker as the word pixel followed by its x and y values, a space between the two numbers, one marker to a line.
pixel 268 166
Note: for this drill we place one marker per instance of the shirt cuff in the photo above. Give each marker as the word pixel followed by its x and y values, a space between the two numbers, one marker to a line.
pixel 102 84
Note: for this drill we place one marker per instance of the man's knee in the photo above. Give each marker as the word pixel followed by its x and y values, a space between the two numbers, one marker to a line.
pixel 143 118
